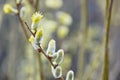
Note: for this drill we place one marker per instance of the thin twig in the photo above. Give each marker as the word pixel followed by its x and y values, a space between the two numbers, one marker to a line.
pixel 48 57
pixel 31 2
pixel 21 22
pixel 37 5
pixel 29 29
pixel 107 3
pixel 50 60
pixel 107 31
pixel 34 4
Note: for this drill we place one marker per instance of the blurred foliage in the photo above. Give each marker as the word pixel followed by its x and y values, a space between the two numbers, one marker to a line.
pixel 61 21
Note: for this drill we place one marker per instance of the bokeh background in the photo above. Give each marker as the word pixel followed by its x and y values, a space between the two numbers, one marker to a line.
pixel 18 60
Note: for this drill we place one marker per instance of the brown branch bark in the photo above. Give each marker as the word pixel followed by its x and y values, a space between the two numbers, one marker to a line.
pixel 21 22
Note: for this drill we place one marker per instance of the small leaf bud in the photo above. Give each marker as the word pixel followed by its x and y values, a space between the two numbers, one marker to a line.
pixel 51 47
pixel 38 35
pixel 60 57
pixel 70 75
pixel 9 9
pixel 23 13
pixel 57 72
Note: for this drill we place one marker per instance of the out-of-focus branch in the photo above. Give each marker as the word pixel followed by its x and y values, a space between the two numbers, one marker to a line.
pixel 34 4
pixel 84 29
pixel 107 3
pixel 106 38
pixel 37 5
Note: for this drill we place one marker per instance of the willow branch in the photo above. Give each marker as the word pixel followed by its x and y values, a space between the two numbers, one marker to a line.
pixel 29 29
pixel 21 22
pixel 27 36
pixel 107 3
pixel 48 57
pixel 107 31
pixel 34 4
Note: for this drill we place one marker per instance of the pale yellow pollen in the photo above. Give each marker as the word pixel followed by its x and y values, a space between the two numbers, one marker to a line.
pixel 31 39
pixel 36 17
pixel 39 33
pixel 7 8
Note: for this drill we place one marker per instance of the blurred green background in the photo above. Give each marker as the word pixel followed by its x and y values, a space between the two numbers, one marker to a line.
pixel 18 60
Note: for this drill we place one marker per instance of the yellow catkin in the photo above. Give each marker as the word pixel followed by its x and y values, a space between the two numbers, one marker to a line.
pixel 36 17
pixel 7 8
pixel 39 33
pixel 31 39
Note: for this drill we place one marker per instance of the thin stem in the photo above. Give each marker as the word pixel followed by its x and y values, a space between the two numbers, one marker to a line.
pixel 21 22
pixel 37 5
pixel 107 3
pixel 48 57
pixel 23 27
pixel 29 29
pixel 34 4
pixel 84 27
pixel 31 2
pixel 50 60
pixel 40 66
pixel 107 31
